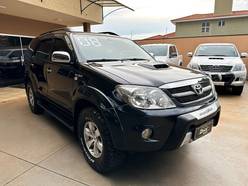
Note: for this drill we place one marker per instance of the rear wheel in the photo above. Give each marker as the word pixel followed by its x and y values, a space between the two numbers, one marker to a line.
pixel 96 142
pixel 32 100
pixel 237 90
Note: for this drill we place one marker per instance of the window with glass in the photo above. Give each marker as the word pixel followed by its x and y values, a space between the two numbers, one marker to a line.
pixel 156 50
pixel 221 23
pixel 205 26
pixel 108 48
pixel 217 50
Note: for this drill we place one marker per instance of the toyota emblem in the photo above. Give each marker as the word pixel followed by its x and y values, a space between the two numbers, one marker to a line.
pixel 198 89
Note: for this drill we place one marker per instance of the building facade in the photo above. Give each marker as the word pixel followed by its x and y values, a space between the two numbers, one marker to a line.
pixel 32 17
pixel 223 22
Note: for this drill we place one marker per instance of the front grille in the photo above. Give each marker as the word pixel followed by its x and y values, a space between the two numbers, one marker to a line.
pixel 216 68
pixel 184 93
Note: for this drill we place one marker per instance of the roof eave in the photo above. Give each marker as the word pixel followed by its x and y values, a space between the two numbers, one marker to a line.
pixel 211 18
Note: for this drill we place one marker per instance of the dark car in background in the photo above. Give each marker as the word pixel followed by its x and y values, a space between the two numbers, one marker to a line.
pixel 12 63
pixel 116 97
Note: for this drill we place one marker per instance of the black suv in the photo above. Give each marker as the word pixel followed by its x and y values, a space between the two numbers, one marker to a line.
pixel 116 97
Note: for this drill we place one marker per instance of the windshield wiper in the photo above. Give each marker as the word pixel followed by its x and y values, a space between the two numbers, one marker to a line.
pixel 135 59
pixel 102 60
pixel 202 55
pixel 110 60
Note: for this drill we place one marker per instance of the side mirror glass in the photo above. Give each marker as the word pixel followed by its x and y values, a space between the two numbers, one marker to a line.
pixel 190 54
pixel 61 57
pixel 244 55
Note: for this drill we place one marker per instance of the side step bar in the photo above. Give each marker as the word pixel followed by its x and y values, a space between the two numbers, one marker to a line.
pixel 54 112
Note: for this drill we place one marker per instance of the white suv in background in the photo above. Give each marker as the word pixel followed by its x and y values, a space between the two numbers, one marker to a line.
pixel 166 53
pixel 223 63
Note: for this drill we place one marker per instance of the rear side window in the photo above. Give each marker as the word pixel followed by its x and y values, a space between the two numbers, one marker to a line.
pixel 43 50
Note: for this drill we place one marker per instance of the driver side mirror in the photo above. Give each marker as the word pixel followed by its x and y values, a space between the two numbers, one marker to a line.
pixel 61 57
pixel 190 54
pixel 244 55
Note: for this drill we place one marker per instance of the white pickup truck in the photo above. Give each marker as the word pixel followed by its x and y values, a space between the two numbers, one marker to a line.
pixel 223 63
pixel 166 53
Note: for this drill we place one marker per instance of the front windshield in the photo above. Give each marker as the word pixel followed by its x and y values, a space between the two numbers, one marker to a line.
pixel 217 50
pixel 156 50
pixel 107 48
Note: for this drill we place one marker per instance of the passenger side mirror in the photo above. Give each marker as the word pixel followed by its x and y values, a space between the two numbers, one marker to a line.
pixel 152 54
pixel 173 55
pixel 190 54
pixel 61 57
pixel 244 55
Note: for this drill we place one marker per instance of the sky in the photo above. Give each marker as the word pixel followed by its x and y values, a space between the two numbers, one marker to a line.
pixel 152 17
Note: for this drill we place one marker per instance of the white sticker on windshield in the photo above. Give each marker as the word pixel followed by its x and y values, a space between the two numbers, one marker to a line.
pixel 89 42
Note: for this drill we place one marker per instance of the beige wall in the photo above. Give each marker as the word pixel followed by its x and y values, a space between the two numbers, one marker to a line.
pixel 186 45
pixel 70 7
pixel 232 27
pixel 21 26
pixel 62 12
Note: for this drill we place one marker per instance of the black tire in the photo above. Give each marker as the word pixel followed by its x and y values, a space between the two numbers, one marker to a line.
pixel 110 157
pixel 237 90
pixel 33 105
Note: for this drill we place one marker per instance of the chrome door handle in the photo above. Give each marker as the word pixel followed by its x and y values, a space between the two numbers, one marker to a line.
pixel 49 70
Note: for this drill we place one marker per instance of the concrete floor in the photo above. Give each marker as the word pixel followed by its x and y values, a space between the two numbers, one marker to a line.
pixel 37 150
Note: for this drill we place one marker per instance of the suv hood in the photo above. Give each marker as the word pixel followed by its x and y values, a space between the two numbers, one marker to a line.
pixel 214 60
pixel 140 73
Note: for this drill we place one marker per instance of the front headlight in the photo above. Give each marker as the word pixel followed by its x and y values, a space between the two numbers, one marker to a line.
pixel 194 66
pixel 144 97
pixel 239 67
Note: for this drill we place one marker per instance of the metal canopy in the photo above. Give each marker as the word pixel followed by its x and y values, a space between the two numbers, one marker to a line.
pixel 105 3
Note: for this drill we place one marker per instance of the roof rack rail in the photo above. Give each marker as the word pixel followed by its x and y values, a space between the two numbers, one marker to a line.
pixel 109 33
pixel 57 30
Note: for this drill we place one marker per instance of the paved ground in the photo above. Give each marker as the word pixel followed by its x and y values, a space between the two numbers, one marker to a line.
pixel 37 150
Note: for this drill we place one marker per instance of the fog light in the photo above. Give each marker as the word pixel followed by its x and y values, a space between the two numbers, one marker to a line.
pixel 146 134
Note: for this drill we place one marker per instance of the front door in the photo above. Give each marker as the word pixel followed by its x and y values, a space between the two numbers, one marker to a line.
pixel 60 77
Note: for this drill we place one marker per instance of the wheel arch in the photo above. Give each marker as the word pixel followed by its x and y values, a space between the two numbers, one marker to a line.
pixel 92 97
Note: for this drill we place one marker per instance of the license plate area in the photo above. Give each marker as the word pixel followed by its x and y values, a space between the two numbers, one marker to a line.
pixel 203 130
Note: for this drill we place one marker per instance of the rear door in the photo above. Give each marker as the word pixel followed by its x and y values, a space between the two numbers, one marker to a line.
pixel 40 60
pixel 60 76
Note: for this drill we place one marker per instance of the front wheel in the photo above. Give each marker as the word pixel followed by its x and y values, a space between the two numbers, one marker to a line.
pixel 237 90
pixel 96 142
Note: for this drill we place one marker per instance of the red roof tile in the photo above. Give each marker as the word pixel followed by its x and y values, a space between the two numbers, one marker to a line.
pixel 211 16
pixel 170 35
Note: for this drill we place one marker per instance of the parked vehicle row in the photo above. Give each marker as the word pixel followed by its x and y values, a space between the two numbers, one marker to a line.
pixel 12 63
pixel 116 97
pixel 222 62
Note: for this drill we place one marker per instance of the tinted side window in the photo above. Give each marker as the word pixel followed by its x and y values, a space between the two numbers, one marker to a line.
pixel 43 50
pixel 173 51
pixel 60 45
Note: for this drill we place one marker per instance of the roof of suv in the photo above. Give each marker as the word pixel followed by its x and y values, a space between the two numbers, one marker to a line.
pixel 68 30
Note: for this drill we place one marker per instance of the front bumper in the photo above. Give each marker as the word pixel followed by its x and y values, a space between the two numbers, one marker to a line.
pixel 169 126
pixel 228 79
